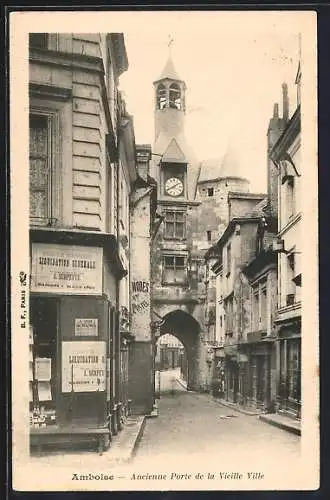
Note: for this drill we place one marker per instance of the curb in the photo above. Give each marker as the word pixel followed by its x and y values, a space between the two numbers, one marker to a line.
pixel 123 452
pixel 239 410
pixel 280 425
pixel 138 437
pixel 182 383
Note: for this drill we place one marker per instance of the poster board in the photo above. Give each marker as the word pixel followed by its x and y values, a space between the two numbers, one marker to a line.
pixel 83 366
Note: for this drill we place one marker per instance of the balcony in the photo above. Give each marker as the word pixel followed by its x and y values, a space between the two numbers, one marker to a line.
pixel 288 312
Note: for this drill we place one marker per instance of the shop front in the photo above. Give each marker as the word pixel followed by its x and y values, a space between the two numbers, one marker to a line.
pixel 218 380
pixel 231 368
pixel 74 342
pixel 289 370
pixel 261 359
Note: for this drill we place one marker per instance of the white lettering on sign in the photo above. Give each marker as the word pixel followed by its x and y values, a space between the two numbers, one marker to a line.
pixel 86 327
pixel 83 366
pixel 66 269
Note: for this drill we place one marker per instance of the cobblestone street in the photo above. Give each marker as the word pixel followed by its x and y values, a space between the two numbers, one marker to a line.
pixel 194 426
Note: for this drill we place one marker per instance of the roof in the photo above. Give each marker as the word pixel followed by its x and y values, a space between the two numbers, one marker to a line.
pixel 287 137
pixel 232 224
pixel 259 209
pixel 173 153
pixel 231 164
pixel 169 71
pixel 210 170
pixel 120 53
pixel 228 165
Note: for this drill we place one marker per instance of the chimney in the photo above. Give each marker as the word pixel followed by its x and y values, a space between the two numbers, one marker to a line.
pixel 275 112
pixel 285 102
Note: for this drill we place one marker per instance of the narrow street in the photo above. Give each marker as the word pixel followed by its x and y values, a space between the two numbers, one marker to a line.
pixel 194 426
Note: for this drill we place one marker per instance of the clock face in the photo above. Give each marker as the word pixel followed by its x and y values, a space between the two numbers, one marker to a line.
pixel 174 186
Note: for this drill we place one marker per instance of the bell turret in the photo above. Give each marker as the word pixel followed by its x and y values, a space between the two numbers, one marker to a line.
pixel 169 101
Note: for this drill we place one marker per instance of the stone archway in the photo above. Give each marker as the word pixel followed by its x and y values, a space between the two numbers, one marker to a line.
pixel 187 329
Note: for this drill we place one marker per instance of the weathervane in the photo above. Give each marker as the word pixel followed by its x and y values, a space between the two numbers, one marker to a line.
pixel 170 42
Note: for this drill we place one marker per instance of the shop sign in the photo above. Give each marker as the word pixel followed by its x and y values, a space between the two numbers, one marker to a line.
pixel 83 366
pixel 64 269
pixel 84 327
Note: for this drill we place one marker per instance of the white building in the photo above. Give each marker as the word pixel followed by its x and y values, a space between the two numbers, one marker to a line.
pixel 286 156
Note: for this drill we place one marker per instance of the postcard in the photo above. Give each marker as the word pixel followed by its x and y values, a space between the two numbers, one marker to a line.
pixel 164 250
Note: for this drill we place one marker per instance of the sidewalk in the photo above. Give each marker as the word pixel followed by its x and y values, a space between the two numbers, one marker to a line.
pixel 237 407
pixel 124 444
pixel 283 422
pixel 121 450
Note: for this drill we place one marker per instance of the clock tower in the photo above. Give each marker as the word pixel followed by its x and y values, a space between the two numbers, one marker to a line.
pixel 173 164
pixel 175 257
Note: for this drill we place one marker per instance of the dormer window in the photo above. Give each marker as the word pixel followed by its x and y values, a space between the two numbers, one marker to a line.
pixel 161 97
pixel 175 96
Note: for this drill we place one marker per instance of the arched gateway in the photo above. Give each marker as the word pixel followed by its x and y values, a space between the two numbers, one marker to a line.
pixel 185 328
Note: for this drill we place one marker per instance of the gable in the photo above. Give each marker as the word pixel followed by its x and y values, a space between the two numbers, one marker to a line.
pixel 174 154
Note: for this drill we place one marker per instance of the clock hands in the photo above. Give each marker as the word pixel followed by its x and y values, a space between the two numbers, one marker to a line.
pixel 177 184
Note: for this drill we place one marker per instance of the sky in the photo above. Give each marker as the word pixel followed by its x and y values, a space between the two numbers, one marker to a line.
pixel 233 64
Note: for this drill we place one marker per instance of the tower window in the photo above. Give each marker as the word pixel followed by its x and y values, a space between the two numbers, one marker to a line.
pixel 174 269
pixel 161 97
pixel 175 96
pixel 210 191
pixel 175 225
pixel 209 235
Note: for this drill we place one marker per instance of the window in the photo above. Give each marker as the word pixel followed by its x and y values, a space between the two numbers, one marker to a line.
pixel 42 344
pixel 210 191
pixel 263 306
pixel 38 40
pixel 41 207
pixel 174 269
pixel 291 287
pixel 209 235
pixel 161 97
pixel 255 308
pixel 228 259
pixel 109 198
pixel 229 316
pixel 294 369
pixel 259 305
pixel 175 225
pixel 175 96
pixel 290 201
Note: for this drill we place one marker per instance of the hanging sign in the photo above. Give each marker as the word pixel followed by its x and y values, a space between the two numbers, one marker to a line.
pixel 66 269
pixel 83 366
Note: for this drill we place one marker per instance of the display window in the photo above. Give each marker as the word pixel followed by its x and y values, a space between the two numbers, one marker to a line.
pixel 43 361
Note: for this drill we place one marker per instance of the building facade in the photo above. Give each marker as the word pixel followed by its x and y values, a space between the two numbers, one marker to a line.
pixel 82 177
pixel 177 303
pixel 257 263
pixel 285 155
pixel 144 226
pixel 192 200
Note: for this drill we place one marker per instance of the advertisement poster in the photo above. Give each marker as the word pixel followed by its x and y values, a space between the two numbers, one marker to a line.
pixel 66 269
pixel 83 366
